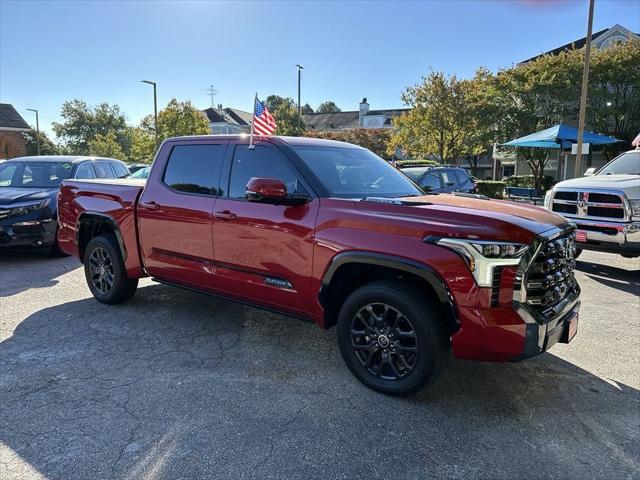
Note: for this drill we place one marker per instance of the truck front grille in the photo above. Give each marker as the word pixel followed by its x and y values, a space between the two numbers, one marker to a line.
pixel 589 204
pixel 550 276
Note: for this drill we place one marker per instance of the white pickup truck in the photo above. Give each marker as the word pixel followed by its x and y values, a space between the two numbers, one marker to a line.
pixel 604 206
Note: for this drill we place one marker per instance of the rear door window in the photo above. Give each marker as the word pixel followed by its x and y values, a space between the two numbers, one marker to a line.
pixel 462 177
pixel 195 168
pixel 448 177
pixel 120 170
pixel 103 170
pixel 85 170
pixel 431 181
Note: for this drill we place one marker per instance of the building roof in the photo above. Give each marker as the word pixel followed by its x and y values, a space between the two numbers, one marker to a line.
pixel 578 44
pixel 10 118
pixel 228 115
pixel 345 120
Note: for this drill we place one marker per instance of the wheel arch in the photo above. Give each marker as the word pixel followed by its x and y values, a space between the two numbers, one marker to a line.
pixel 91 224
pixel 357 268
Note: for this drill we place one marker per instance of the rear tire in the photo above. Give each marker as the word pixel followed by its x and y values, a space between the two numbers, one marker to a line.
pixel 105 272
pixel 391 337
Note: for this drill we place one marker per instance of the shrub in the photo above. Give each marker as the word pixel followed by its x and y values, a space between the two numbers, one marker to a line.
pixel 527 181
pixel 415 163
pixel 491 188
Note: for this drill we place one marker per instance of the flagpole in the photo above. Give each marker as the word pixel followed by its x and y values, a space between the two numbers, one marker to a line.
pixel 253 119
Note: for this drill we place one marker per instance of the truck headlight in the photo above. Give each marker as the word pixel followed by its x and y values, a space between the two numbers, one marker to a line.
pixel 635 208
pixel 483 256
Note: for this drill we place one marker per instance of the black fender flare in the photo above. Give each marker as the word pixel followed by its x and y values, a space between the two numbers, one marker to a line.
pixel 394 262
pixel 88 215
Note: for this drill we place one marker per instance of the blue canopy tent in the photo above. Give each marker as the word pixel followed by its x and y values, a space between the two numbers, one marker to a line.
pixel 558 135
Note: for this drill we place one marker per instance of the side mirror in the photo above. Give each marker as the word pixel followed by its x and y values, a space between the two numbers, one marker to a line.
pixel 427 188
pixel 266 190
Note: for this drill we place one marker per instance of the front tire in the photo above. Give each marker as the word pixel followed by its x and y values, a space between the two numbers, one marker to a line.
pixel 105 272
pixel 391 337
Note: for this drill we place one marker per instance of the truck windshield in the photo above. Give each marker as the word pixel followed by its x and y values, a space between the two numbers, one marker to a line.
pixel 626 164
pixel 355 173
pixel 34 174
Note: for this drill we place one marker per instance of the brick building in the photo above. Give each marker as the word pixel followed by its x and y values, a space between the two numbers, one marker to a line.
pixel 12 142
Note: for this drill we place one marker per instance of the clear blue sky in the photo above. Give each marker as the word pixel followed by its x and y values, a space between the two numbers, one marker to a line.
pixel 99 51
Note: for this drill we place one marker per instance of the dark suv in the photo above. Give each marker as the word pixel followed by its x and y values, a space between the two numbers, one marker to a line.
pixel 28 195
pixel 441 179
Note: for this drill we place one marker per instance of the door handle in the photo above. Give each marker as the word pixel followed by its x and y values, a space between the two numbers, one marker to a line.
pixel 149 205
pixel 224 215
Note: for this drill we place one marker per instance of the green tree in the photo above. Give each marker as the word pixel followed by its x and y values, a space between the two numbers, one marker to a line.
pixel 143 146
pixel 614 91
pixel 47 147
pixel 285 113
pixel 328 107
pixel 438 122
pixel 106 145
pixel 177 119
pixel 274 101
pixel 82 123
pixel 534 96
pixel 306 108
pixel 374 139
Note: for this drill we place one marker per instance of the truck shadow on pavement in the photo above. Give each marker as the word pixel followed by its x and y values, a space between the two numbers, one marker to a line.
pixel 48 269
pixel 614 277
pixel 176 384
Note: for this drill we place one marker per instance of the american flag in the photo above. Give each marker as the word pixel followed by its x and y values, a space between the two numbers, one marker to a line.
pixel 263 121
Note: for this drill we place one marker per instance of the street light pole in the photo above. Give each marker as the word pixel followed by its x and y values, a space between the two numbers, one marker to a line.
pixel 300 68
pixel 37 128
pixel 155 110
pixel 583 95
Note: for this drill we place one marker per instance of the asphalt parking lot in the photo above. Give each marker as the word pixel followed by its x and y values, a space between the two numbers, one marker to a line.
pixel 179 385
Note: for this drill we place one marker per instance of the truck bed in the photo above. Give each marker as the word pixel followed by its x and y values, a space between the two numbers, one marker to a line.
pixel 101 198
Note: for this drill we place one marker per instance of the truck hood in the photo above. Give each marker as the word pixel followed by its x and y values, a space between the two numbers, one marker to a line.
pixel 618 182
pixel 467 217
pixel 9 195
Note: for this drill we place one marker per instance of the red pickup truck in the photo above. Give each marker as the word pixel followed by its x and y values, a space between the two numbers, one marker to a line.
pixel 328 231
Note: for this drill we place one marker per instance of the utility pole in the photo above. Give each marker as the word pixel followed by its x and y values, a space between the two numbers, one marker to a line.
pixel 300 68
pixel 155 111
pixel 37 129
pixel 211 92
pixel 583 95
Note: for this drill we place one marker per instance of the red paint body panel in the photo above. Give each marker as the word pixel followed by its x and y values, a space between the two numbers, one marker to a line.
pixel 276 256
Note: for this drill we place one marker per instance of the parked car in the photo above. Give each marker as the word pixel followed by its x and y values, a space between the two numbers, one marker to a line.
pixel 134 167
pixel 141 173
pixel 330 232
pixel 28 190
pixel 441 179
pixel 605 206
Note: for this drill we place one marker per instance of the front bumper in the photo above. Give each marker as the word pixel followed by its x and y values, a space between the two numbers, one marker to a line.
pixel 613 237
pixel 27 233
pixel 502 324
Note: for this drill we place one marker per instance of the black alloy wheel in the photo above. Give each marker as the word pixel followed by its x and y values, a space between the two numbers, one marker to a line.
pixel 384 341
pixel 105 271
pixel 101 270
pixel 391 336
